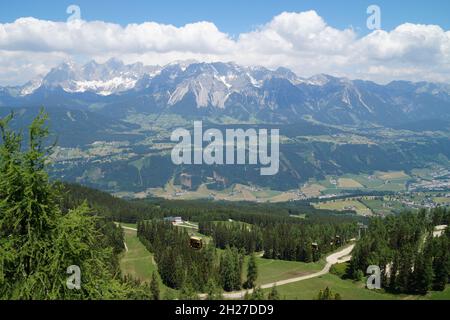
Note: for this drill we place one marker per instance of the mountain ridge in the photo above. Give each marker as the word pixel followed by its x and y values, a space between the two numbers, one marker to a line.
pixel 240 92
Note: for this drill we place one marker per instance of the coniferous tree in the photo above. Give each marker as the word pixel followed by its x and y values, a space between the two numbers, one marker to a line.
pixel 441 265
pixel 38 240
pixel 187 292
pixel 252 272
pixel 273 294
pixel 257 294
pixel 231 269
pixel 328 294
pixel 227 270
pixel 154 287
pixel 213 291
pixel 410 262
pixel 422 275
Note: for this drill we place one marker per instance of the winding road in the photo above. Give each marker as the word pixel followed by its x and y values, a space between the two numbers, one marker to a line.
pixel 334 258
pixel 337 257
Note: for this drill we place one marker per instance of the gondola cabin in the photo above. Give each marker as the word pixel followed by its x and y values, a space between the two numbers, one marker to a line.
pixel 196 243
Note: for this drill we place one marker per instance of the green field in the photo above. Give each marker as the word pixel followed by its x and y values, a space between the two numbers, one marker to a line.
pixel 348 183
pixel 444 295
pixel 275 270
pixel 309 289
pixel 138 262
pixel 383 207
pixel 345 205
pixel 348 289
pixel 379 181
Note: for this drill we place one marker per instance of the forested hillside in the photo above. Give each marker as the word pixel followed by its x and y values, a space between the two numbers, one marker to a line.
pixel 132 211
pixel 301 241
pixel 411 257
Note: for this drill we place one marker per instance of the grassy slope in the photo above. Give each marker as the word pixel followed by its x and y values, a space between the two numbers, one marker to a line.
pixel 444 295
pixel 138 261
pixel 348 289
pixel 309 289
pixel 276 270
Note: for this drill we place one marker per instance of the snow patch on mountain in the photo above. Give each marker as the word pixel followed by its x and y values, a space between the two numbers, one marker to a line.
pixel 108 78
pixel 31 86
pixel 104 88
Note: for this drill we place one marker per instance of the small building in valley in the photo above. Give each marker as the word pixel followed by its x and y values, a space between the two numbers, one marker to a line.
pixel 174 220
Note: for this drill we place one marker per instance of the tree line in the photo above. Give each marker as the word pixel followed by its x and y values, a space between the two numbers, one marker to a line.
pixel 304 242
pixel 262 214
pixel 181 267
pixel 412 260
pixel 235 234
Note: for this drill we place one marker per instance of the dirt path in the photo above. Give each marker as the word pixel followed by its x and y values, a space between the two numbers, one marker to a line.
pixel 128 228
pixel 341 256
pixel 338 257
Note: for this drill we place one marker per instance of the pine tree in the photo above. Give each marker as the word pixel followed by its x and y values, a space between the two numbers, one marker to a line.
pixel 230 269
pixel 308 252
pixel 154 287
pixel 226 270
pixel 423 274
pixel 273 294
pixel 187 292
pixel 441 266
pixel 405 273
pixel 252 272
pixel 213 292
pixel 38 242
pixel 320 295
pixel 328 294
pixel 257 294
pixel 29 214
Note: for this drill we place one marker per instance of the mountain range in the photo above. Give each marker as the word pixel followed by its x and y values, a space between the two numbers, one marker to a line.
pixel 194 89
pixel 113 122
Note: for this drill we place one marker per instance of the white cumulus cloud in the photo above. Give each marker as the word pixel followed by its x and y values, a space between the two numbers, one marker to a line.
pixel 303 42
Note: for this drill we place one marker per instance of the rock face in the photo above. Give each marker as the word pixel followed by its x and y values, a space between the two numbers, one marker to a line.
pixel 104 79
pixel 227 89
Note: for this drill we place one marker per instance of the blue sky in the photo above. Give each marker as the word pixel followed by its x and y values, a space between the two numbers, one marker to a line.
pixel 307 36
pixel 233 16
